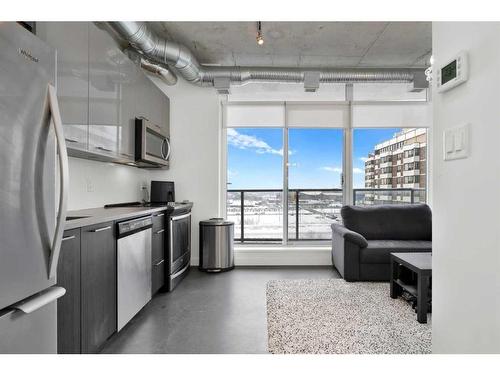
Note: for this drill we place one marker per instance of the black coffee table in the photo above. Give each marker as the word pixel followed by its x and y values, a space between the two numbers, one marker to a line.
pixel 421 265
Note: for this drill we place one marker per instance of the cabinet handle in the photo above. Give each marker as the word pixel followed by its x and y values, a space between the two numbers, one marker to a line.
pixel 71 140
pixel 159 215
pixel 160 262
pixel 68 238
pixel 160 231
pixel 101 229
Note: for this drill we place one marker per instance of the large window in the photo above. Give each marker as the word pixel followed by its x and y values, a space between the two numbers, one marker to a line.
pixel 389 166
pixel 292 165
pixel 255 180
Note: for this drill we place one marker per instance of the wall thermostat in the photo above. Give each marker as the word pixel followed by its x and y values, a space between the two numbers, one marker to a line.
pixel 453 73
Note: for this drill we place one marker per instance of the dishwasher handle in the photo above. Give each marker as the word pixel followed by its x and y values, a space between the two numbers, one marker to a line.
pixel 129 227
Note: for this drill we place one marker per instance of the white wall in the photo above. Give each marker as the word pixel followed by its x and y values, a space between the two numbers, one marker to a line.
pixel 195 138
pixel 466 215
pixel 94 184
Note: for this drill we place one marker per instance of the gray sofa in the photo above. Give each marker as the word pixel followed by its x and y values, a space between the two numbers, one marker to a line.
pixel 361 246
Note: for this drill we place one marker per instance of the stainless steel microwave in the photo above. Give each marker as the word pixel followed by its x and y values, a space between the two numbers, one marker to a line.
pixel 152 146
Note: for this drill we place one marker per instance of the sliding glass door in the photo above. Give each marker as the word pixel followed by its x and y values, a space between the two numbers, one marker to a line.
pixel 259 174
pixel 314 182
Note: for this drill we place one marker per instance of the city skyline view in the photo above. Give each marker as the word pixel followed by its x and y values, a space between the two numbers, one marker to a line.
pixel 255 157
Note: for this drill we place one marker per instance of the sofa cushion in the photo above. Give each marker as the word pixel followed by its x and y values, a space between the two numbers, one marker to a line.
pixel 378 251
pixel 389 222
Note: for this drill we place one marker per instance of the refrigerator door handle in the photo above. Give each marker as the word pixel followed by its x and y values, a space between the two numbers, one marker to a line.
pixel 30 304
pixel 63 180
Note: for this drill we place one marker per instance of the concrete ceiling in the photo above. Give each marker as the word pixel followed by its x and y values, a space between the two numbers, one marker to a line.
pixel 305 44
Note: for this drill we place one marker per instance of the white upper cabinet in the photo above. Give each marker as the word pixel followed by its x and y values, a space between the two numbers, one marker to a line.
pixel 70 39
pixel 105 83
pixel 101 92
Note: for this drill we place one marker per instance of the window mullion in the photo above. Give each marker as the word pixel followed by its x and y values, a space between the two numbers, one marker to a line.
pixel 284 198
pixel 347 186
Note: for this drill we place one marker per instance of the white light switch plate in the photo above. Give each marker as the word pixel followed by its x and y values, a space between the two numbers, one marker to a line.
pixel 456 143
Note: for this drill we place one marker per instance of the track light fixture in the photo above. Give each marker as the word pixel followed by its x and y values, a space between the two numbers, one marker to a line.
pixel 260 38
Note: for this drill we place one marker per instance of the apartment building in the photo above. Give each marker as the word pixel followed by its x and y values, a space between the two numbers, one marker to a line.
pixel 400 162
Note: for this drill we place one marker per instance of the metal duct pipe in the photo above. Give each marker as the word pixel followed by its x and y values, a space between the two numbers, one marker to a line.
pixel 165 74
pixel 161 70
pixel 145 40
pixel 244 75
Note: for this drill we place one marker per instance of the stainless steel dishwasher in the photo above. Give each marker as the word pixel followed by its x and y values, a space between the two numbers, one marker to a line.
pixel 134 267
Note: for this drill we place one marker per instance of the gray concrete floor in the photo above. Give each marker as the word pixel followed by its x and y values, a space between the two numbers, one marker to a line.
pixel 209 313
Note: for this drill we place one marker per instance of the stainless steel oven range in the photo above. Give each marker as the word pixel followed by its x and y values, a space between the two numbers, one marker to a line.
pixel 179 248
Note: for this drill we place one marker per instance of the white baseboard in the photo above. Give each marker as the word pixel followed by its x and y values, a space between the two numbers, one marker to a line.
pixel 195 261
pixel 283 256
pixel 279 256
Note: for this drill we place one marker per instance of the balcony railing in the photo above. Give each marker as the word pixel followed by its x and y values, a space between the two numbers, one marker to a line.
pixel 258 214
pixel 373 196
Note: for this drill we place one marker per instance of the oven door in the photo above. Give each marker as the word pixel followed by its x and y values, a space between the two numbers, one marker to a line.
pixel 180 241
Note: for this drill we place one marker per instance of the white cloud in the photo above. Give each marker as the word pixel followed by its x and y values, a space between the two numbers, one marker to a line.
pixel 243 141
pixel 357 171
pixel 363 159
pixel 332 169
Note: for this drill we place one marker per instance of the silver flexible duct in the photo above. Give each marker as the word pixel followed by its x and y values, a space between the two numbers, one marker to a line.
pixel 147 42
pixel 165 74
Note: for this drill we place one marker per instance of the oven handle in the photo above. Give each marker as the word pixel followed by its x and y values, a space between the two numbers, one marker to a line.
pixel 180 217
pixel 180 271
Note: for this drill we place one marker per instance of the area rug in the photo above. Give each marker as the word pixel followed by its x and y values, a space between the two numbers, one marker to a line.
pixel 334 316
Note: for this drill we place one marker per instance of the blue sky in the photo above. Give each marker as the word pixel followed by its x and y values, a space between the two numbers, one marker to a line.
pixel 255 157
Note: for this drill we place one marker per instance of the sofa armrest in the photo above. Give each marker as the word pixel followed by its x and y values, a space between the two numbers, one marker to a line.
pixel 349 235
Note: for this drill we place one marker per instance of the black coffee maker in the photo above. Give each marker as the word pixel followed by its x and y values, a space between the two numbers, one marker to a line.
pixel 162 192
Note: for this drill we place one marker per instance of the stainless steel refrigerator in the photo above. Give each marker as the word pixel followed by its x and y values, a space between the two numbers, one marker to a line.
pixel 33 192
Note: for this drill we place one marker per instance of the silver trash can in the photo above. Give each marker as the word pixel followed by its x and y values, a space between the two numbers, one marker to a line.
pixel 216 245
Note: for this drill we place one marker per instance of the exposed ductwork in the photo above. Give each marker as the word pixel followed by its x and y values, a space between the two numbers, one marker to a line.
pixel 165 74
pixel 140 36
pixel 162 71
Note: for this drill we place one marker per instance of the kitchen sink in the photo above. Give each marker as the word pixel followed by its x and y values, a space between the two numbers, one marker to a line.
pixel 75 217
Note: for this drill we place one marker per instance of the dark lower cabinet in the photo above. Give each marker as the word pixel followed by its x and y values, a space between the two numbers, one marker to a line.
pixel 98 299
pixel 158 253
pixel 158 246
pixel 68 306
pixel 158 276
pixel 87 313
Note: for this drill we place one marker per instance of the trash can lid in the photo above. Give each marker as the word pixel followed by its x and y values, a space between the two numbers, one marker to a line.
pixel 216 221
